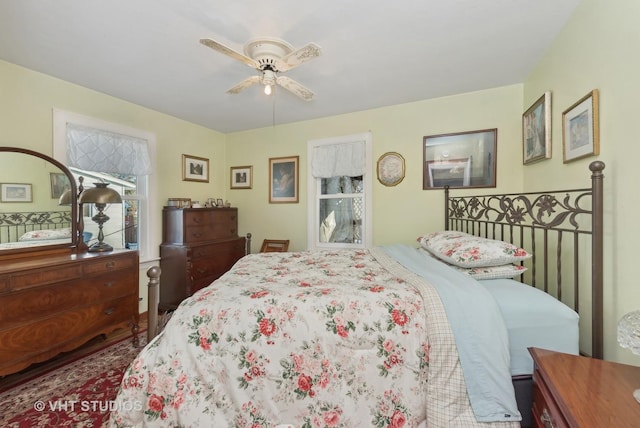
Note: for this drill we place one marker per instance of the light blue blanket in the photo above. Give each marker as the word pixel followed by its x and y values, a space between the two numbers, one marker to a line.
pixel 479 331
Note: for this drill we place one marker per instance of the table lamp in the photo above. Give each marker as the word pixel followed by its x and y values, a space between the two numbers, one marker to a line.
pixel 101 195
pixel 629 337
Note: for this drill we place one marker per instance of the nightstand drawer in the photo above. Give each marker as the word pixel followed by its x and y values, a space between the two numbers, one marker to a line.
pixel 545 411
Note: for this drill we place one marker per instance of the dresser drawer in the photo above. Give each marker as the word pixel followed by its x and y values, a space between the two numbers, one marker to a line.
pixel 111 264
pixel 73 327
pixel 23 281
pixel 36 303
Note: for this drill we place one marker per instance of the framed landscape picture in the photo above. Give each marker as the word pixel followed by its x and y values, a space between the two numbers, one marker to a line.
pixel 15 192
pixel 460 159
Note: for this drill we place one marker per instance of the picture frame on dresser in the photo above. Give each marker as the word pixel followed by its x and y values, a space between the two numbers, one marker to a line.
pixel 195 168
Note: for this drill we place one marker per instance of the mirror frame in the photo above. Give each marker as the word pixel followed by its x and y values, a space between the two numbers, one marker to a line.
pixel 74 207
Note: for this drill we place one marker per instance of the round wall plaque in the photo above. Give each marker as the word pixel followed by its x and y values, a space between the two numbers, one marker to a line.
pixel 390 168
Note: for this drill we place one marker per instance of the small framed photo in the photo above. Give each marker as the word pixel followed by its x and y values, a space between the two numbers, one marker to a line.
pixel 15 192
pixel 580 128
pixel 536 130
pixel 283 179
pixel 241 177
pixel 59 183
pixel 195 169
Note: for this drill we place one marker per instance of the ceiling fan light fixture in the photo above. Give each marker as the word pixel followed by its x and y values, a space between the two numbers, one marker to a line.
pixel 270 56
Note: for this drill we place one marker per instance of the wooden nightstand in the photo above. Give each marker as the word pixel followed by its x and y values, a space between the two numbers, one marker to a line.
pixel 575 391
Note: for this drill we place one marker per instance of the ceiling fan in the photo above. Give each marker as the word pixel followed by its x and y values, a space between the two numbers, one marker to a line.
pixel 270 56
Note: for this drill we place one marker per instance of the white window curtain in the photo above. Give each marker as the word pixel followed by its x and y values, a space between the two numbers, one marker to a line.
pixel 337 160
pixel 94 149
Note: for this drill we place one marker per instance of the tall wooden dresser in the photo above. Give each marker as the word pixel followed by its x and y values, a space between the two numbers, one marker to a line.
pixel 198 246
pixel 52 303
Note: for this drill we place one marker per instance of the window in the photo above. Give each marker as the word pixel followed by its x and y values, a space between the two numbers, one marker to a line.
pixel 340 189
pixel 130 222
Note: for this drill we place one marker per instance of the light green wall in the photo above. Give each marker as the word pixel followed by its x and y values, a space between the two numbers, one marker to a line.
pixel 597 50
pixel 401 212
pixel 28 99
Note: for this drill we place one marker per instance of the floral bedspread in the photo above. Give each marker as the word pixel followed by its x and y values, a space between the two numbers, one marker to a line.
pixel 341 338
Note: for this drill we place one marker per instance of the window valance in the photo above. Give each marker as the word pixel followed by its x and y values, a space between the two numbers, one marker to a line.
pixel 98 150
pixel 337 160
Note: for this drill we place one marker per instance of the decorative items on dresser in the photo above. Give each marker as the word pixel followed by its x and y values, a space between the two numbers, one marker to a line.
pixel 54 295
pixel 198 246
pixel 577 391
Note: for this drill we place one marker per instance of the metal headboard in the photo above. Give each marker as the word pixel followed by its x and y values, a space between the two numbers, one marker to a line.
pixel 14 224
pixel 539 222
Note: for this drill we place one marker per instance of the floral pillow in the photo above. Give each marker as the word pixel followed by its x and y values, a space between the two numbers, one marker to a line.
pixel 469 251
pixel 493 272
pixel 36 235
pixel 489 272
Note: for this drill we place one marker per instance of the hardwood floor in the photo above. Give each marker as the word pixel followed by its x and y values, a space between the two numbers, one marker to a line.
pixel 98 342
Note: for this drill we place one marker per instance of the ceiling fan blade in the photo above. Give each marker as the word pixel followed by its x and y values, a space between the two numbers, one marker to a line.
pixel 244 84
pixel 217 46
pixel 295 87
pixel 299 56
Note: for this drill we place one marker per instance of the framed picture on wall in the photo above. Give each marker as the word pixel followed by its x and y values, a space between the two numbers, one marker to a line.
pixel 283 180
pixel 15 192
pixel 241 177
pixel 580 128
pixel 536 130
pixel 195 169
pixel 460 159
pixel 59 183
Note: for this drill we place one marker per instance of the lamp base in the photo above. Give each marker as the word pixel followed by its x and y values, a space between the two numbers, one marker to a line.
pixel 636 395
pixel 100 247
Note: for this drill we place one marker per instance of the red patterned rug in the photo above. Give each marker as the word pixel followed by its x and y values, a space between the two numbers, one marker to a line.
pixel 78 394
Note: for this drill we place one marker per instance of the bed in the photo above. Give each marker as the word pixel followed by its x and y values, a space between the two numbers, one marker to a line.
pixel 30 229
pixel 387 336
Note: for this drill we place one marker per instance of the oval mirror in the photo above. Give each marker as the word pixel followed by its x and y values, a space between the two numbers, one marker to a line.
pixel 31 217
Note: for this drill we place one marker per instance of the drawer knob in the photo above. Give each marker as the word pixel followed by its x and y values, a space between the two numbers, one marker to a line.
pixel 108 284
pixel 110 265
pixel 546 419
pixel 109 311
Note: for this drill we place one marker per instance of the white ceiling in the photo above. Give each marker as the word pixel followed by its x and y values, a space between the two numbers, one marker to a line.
pixel 375 53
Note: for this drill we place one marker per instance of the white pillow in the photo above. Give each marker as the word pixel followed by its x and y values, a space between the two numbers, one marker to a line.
pixel 469 251
pixel 36 235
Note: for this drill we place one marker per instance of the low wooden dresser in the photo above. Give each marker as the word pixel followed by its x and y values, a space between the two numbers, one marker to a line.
pixel 576 391
pixel 198 246
pixel 53 303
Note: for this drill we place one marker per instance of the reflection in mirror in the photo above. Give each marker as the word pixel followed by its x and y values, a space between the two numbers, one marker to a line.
pixel 30 189
pixel 463 159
